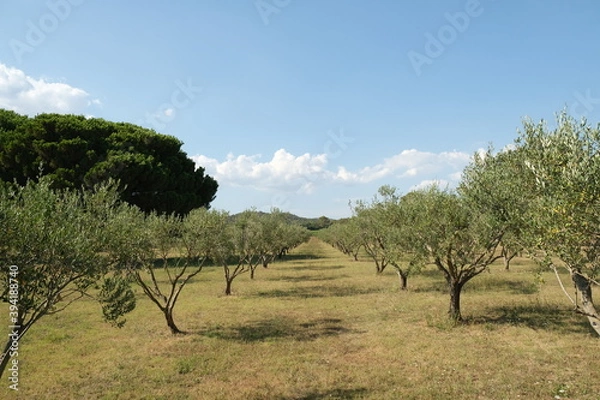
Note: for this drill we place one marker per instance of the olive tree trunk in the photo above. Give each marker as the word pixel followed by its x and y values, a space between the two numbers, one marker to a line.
pixel 584 294
pixel 403 277
pixel 171 322
pixel 455 289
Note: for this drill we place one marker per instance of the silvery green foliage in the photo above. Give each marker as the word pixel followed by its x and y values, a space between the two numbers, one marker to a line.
pixel 162 253
pixel 459 239
pixel 56 239
pixel 564 215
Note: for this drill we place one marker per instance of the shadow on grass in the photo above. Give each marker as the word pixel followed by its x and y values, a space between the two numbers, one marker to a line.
pixel 482 285
pixel 500 283
pixel 278 328
pixel 333 394
pixel 440 286
pixel 544 317
pixel 299 257
pixel 317 291
pixel 317 268
pixel 306 278
pixel 430 272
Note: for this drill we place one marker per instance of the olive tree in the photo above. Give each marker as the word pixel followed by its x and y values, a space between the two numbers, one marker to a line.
pixel 372 231
pixel 275 237
pixel 458 239
pixel 564 163
pixel 387 235
pixel 162 253
pixel 398 235
pixel 509 250
pixel 291 235
pixel 251 239
pixel 51 254
pixel 238 252
pixel 344 235
pixel 272 238
pixel 498 184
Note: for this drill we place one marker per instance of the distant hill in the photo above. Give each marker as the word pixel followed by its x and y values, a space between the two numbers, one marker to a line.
pixel 313 224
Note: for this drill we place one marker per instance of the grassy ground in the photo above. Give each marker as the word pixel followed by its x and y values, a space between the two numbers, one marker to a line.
pixel 320 326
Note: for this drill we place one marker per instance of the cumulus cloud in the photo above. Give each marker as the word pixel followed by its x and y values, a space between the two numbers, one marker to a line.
pixel 27 95
pixel 407 164
pixel 284 171
pixel 287 172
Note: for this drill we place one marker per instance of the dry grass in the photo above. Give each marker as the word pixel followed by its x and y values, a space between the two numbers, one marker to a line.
pixel 320 326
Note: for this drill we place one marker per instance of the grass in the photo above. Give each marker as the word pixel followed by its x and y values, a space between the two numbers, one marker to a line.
pixel 321 326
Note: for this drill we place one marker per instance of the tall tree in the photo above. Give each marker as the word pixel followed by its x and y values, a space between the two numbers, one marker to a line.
pixel 74 152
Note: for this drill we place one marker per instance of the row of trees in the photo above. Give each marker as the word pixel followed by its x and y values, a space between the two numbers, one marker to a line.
pixel 73 151
pixel 540 196
pixel 58 246
pixel 424 226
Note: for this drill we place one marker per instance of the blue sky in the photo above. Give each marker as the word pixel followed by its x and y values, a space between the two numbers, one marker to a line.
pixel 305 105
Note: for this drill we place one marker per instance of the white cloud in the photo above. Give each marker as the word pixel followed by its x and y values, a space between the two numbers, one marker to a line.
pixel 408 164
pixel 441 183
pixel 27 95
pixel 284 171
pixel 290 173
pixel 509 147
pixel 456 176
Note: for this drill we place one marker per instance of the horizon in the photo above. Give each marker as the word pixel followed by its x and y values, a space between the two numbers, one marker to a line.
pixel 306 106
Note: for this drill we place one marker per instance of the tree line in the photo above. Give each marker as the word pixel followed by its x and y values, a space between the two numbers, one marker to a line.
pixel 539 197
pixel 66 244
